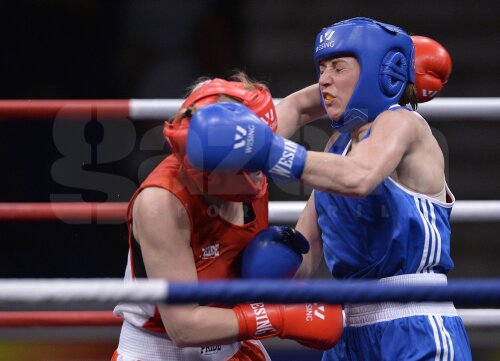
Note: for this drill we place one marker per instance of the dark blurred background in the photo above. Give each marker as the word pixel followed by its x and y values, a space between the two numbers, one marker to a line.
pixel 78 49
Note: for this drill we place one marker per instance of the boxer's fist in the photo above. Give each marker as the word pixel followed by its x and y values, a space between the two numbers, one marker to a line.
pixel 432 67
pixel 314 325
pixel 274 252
pixel 229 136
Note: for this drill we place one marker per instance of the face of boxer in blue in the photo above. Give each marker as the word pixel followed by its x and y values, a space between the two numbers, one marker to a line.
pixel 385 55
pixel 338 77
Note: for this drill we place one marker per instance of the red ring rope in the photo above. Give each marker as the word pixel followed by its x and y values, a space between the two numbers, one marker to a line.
pixel 70 211
pixel 48 109
pixel 58 318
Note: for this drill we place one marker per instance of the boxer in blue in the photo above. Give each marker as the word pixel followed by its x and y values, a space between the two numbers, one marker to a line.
pixel 380 207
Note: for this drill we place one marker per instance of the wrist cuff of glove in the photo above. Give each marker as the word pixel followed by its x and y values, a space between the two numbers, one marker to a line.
pixel 286 160
pixel 252 323
pixel 243 333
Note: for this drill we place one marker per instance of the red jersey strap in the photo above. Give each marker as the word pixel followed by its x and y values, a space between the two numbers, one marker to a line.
pixel 168 175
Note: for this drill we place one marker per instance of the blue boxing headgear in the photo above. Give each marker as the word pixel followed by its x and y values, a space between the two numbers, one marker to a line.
pixel 386 58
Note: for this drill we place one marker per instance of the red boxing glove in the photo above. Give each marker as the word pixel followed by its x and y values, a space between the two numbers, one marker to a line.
pixel 432 67
pixel 314 325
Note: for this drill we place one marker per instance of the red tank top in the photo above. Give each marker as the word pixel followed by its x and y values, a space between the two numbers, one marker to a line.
pixel 216 243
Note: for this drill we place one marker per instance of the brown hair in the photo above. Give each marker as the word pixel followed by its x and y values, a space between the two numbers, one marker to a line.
pixel 409 96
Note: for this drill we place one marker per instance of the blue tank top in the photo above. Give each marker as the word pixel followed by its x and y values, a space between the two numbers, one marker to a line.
pixel 390 232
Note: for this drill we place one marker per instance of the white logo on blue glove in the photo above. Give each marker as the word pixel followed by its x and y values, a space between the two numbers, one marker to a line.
pixel 244 138
pixel 238 137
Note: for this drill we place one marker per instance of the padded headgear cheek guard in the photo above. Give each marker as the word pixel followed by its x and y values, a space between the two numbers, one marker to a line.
pixel 229 186
pixel 386 58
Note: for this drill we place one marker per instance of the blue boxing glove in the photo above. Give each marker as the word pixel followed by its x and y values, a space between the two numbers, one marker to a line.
pixel 274 252
pixel 229 136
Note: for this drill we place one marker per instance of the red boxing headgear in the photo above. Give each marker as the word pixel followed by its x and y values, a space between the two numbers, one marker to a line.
pixel 229 186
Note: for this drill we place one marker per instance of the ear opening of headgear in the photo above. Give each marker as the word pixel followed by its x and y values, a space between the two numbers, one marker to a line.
pixel 393 73
pixel 228 186
pixel 386 58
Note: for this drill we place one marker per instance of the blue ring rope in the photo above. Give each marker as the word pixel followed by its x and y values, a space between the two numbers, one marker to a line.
pixel 471 292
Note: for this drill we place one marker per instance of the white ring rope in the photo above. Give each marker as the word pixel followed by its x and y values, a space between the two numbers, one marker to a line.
pixel 446 108
pixel 154 108
pixel 69 291
pixel 488 317
pixel 463 211
pixel 462 108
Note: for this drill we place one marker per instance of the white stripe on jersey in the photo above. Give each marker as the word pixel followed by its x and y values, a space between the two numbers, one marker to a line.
pixel 448 337
pixel 433 236
pixel 436 339
pixel 439 323
pixel 426 243
pixel 438 237
pixel 433 241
